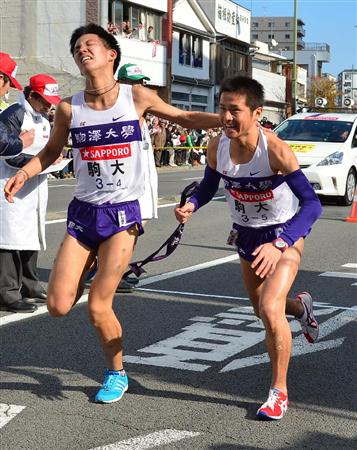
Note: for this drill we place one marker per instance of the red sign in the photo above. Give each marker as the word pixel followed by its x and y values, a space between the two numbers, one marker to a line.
pixel 104 152
pixel 251 196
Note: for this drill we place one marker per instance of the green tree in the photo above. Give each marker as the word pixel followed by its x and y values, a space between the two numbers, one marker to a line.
pixel 322 87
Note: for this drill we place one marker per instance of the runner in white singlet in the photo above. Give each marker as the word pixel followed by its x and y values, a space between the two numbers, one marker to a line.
pixel 263 186
pixel 104 218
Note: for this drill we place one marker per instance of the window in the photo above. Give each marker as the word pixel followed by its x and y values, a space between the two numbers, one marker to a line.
pixel 137 18
pixel 348 76
pixel 180 96
pixel 254 36
pixel 270 24
pixel 287 24
pixel 199 98
pixel 270 36
pixel 255 24
pixel 190 50
pixel 287 36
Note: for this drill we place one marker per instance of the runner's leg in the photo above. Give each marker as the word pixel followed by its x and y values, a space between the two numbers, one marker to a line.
pixel 114 255
pixel 72 260
pixel 272 305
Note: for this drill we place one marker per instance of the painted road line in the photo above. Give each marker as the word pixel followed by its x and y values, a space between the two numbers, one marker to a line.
pixel 42 309
pixel 350 265
pixel 152 440
pixel 230 297
pixel 186 270
pixel 16 317
pixel 191 294
pixel 8 412
pixel 166 205
pixel 50 222
pixel 61 185
pixel 192 178
pixel 340 275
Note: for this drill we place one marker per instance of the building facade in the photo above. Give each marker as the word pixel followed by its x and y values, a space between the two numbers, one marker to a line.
pixel 278 32
pixel 192 86
pixel 267 68
pixel 347 87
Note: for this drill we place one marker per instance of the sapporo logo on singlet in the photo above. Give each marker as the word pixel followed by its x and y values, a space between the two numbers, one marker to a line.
pixel 106 152
pixel 252 196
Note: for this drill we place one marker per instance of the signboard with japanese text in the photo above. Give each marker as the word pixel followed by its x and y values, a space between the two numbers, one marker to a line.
pixel 232 20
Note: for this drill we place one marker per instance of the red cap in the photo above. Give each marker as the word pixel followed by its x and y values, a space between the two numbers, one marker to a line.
pixel 9 67
pixel 45 86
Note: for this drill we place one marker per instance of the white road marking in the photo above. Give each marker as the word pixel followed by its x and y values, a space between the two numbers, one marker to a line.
pixel 151 440
pixel 192 178
pixel 228 334
pixel 230 297
pixel 8 412
pixel 340 275
pixel 166 205
pixel 177 273
pixel 50 222
pixel 61 185
pixel 350 265
pixel 16 317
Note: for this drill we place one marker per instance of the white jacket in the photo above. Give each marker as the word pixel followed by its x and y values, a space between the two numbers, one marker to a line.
pixel 22 223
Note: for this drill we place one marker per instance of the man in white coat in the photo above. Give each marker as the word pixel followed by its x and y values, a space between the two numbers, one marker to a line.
pixel 22 231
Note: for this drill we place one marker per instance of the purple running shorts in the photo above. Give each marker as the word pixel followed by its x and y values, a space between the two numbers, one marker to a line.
pixel 247 239
pixel 92 224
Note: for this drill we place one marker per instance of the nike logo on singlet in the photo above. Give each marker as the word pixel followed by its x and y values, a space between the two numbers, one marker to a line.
pixel 117 118
pixel 254 173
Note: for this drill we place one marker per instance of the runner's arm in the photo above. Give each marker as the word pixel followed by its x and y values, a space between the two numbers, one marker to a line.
pixel 283 159
pixel 147 100
pixel 210 182
pixel 207 188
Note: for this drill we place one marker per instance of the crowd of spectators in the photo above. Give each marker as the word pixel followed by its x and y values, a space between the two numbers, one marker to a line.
pixel 176 146
pixel 126 30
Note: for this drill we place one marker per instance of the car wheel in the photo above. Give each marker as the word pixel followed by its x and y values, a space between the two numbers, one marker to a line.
pixel 347 199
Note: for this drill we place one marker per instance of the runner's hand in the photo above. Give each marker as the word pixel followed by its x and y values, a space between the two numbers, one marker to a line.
pixel 267 257
pixel 13 185
pixel 185 212
pixel 27 137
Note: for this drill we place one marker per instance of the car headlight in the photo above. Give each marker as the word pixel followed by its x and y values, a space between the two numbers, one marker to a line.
pixel 334 158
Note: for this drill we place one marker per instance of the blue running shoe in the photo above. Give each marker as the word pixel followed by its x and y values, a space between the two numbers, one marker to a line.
pixel 114 385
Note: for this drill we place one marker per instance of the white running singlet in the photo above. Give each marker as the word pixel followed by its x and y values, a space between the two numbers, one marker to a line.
pixel 256 196
pixel 107 150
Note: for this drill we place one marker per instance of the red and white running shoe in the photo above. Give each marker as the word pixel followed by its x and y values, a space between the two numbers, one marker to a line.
pixel 308 323
pixel 275 407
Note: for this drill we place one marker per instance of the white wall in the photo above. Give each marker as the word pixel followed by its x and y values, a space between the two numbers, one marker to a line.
pixel 274 85
pixel 143 54
pixel 159 5
pixel 185 15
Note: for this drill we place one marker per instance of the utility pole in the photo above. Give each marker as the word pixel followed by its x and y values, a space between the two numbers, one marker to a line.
pixel 294 90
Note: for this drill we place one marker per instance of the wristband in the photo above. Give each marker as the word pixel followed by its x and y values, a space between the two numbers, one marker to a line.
pixel 27 176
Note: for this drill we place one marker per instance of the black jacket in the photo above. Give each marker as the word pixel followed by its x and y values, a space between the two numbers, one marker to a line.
pixel 11 120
